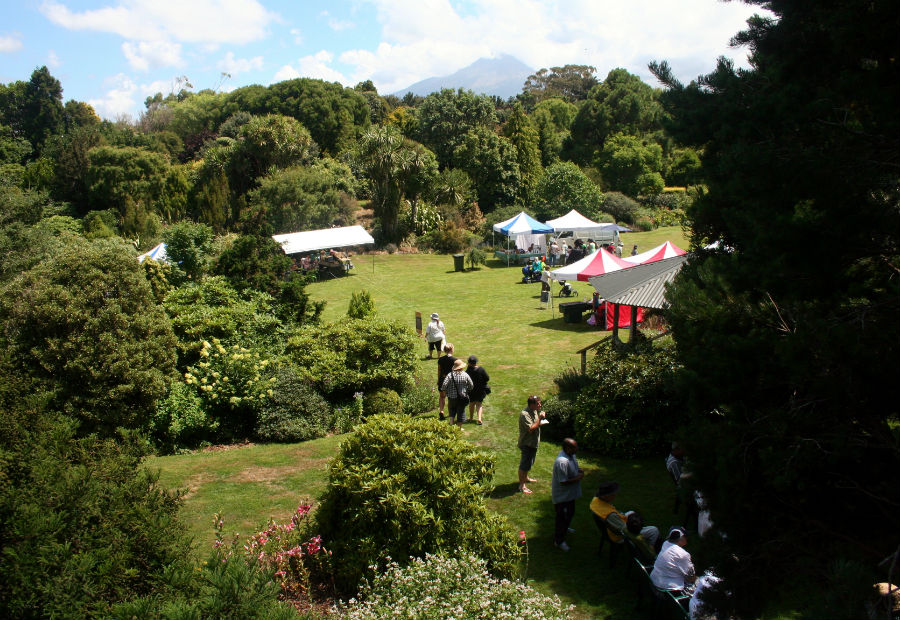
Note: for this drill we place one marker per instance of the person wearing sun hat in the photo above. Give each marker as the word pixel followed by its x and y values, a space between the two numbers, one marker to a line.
pixel 673 569
pixel 457 385
pixel 435 334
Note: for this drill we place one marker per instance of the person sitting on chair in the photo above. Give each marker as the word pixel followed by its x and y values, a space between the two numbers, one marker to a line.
pixel 616 522
pixel 673 569
pixel 634 525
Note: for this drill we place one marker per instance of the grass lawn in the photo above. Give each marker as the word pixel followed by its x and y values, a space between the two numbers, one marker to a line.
pixel 523 346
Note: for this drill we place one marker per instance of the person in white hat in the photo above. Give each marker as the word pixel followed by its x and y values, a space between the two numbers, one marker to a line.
pixel 434 334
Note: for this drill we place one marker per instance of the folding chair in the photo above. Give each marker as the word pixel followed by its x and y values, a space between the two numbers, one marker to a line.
pixel 615 547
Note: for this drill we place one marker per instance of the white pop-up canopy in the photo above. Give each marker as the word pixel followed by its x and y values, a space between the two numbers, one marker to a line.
pixel 575 222
pixel 311 240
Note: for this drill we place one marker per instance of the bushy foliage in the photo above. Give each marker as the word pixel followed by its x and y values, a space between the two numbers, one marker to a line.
pixel 187 250
pixel 448 238
pixel 180 420
pixel 382 401
pixel 420 396
pixel 157 275
pixel 565 187
pixel 630 407
pixel 621 207
pixel 84 327
pixel 361 305
pixel 440 586
pixel 83 523
pixel 254 261
pixel 212 308
pixel 475 257
pixel 355 356
pixel 294 411
pixel 403 487
pixel 560 413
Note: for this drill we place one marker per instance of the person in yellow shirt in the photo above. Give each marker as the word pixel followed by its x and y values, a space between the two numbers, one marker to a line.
pixel 616 522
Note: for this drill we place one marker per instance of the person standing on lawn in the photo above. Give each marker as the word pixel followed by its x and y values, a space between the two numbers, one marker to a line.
pixel 480 380
pixel 530 421
pixel 435 334
pixel 445 365
pixel 565 488
pixel 458 385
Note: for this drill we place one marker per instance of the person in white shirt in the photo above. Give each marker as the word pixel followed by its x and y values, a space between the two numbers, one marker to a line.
pixel 434 334
pixel 673 569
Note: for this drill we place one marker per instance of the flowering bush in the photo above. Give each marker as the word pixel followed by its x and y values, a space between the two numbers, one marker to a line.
pixel 446 587
pixel 233 383
pixel 298 563
pixel 180 420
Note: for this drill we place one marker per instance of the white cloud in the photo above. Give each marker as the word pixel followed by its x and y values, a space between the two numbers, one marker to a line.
pixel 298 36
pixel 424 38
pixel 316 66
pixel 10 43
pixel 144 55
pixel 336 24
pixel 196 21
pixel 234 66
pixel 118 99
pixel 53 60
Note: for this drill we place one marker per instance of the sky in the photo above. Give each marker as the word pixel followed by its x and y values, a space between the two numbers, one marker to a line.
pixel 113 54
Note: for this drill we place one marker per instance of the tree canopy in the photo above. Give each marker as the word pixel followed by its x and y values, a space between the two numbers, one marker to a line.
pixel 789 339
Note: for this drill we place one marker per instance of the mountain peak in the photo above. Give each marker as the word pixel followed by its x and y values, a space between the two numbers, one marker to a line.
pixel 502 77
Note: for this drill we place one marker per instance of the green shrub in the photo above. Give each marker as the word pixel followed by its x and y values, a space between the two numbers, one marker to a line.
pixel 631 407
pixel 420 396
pixel 448 238
pixel 180 420
pixel 620 206
pixel 670 217
pixel 382 401
pixel 157 275
pixel 355 356
pixel 347 414
pixel 570 382
pixel 560 413
pixel 361 305
pixel 83 523
pixel 475 257
pixel 187 250
pixel 403 487
pixel 644 223
pixel 448 587
pixel 294 411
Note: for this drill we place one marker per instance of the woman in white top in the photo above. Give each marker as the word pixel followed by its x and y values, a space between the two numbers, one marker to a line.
pixel 673 569
pixel 434 334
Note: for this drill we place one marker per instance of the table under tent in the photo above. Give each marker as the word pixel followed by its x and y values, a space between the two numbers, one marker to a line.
pixel 530 236
pixel 573 225
pixel 308 241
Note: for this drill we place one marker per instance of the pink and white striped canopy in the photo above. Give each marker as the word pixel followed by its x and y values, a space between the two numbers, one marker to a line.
pixel 595 264
pixel 666 250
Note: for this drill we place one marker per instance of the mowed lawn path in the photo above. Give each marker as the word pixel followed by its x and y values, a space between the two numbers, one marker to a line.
pixel 523 345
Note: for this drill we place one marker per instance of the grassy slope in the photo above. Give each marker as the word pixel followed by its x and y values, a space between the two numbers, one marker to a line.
pixel 523 347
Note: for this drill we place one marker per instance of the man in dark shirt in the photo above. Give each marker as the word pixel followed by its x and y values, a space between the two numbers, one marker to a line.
pixel 445 365
pixel 577 253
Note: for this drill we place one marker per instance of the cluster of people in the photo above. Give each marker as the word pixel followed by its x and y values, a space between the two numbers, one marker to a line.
pixel 534 269
pixel 462 384
pixel 323 260
pixel 673 567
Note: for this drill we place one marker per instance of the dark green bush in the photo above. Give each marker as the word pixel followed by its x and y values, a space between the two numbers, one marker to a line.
pixel 560 413
pixel 83 522
pixel 382 401
pixel 355 356
pixel 475 257
pixel 448 238
pixel 403 487
pixel 620 206
pixel 631 407
pixel 294 411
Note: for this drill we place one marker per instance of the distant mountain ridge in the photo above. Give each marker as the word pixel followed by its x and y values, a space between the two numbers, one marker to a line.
pixel 502 77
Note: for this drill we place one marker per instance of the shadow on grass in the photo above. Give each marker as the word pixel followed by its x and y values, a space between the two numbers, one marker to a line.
pixel 505 490
pixel 558 323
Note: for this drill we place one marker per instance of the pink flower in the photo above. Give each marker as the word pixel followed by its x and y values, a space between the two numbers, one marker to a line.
pixel 218 544
pixel 522 535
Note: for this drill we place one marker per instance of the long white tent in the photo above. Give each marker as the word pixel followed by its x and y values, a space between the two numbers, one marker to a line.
pixel 312 240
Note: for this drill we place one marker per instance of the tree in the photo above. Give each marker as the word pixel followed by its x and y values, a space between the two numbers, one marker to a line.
pixel 444 119
pixel 520 131
pixel 565 187
pixel 33 109
pixel 490 161
pixel 571 83
pixel 83 328
pixel 790 340
pixel 301 198
pixel 621 104
pixel 394 166
pixel 631 165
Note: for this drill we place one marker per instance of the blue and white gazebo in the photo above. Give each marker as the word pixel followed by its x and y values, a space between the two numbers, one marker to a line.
pixel 521 224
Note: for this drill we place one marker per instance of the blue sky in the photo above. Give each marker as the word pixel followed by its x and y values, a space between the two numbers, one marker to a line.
pixel 115 53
